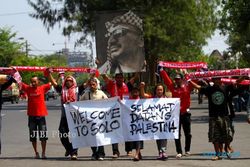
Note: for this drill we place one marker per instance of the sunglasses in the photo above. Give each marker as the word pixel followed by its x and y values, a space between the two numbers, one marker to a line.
pixel 121 32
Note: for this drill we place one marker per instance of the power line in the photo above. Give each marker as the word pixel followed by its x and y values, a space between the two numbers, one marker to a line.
pixel 12 14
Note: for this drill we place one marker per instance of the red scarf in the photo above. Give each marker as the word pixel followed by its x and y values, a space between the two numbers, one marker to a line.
pixel 69 94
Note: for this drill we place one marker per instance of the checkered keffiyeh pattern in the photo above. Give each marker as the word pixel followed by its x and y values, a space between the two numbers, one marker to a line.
pixel 127 18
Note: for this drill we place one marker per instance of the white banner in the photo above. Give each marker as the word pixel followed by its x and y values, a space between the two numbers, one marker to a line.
pixel 150 119
pixel 108 121
pixel 94 122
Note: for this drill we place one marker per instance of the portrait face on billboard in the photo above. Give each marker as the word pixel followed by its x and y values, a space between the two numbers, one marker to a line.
pixel 124 44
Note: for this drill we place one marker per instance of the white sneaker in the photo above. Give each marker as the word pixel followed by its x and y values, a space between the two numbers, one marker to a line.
pixel 178 156
pixel 74 157
pixel 188 153
pixel 100 158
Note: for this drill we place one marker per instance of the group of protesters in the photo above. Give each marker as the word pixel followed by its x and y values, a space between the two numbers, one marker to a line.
pixel 219 96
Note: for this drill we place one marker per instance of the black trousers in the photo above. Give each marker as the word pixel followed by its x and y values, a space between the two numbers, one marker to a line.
pixel 128 146
pixel 98 152
pixel 115 149
pixel 64 136
pixel 185 123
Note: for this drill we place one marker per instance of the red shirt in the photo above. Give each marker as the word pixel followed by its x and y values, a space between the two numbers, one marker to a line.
pixel 182 92
pixel 114 90
pixel 36 102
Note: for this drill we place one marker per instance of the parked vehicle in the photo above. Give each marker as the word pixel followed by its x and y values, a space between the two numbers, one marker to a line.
pixel 51 94
pixel 11 94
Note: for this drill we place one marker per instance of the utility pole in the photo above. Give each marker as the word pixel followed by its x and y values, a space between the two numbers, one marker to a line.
pixel 26 45
pixel 26 48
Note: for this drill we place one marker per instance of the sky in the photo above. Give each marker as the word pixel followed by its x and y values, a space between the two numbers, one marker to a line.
pixel 14 15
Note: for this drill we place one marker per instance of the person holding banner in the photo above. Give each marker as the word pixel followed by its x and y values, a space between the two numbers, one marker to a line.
pixel 137 145
pixel 181 89
pixel 5 82
pixel 159 92
pixel 116 87
pixel 95 94
pixel 68 91
pixel 37 112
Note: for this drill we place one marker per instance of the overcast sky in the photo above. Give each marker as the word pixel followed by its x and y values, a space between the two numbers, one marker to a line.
pixel 14 14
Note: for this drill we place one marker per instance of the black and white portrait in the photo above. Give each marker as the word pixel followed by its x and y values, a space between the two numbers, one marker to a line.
pixel 120 47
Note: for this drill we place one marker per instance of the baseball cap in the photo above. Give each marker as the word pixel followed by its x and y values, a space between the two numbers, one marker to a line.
pixel 178 76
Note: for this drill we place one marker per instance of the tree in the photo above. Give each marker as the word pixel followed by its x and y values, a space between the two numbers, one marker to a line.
pixel 235 21
pixel 9 49
pixel 47 61
pixel 173 29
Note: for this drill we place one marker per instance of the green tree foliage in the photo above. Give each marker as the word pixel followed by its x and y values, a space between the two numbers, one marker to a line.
pixel 235 21
pixel 47 61
pixel 9 48
pixel 173 29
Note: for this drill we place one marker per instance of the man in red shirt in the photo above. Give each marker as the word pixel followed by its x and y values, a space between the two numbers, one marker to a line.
pixel 36 112
pixel 181 89
pixel 116 87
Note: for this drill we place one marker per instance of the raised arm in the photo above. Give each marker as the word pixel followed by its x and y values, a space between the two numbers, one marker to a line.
pixel 132 79
pixel 166 79
pixel 106 78
pixel 142 91
pixel 195 85
pixel 51 79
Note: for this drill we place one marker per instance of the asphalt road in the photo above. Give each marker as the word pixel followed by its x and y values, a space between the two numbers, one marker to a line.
pixel 17 150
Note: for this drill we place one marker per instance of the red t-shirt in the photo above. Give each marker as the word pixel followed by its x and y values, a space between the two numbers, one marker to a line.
pixel 36 102
pixel 182 92
pixel 114 90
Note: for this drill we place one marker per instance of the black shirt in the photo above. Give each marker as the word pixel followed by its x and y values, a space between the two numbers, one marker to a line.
pixel 217 99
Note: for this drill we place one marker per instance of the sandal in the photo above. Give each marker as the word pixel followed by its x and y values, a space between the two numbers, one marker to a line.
pixel 229 155
pixel 44 156
pixel 215 158
pixel 37 156
pixel 136 158
pixel 140 156
pixel 129 153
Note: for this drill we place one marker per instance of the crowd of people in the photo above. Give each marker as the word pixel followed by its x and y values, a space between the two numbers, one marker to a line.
pixel 221 112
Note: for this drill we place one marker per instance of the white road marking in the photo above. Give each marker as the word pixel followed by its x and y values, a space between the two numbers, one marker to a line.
pixel 22 110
